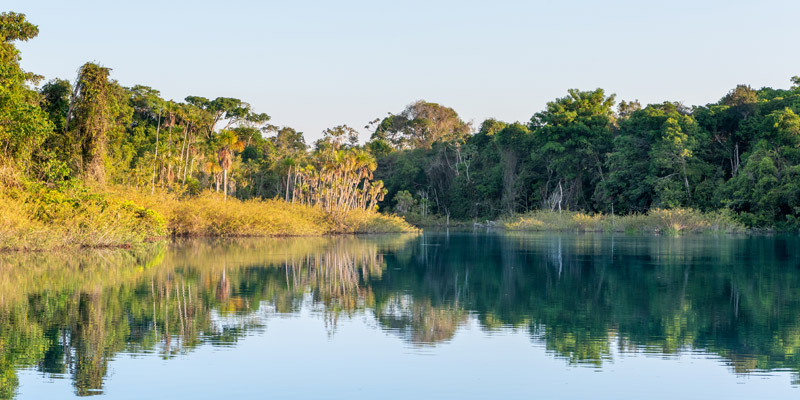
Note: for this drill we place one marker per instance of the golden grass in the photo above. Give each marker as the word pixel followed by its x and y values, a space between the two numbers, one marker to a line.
pixel 40 218
pixel 657 220
pixel 209 214
pixel 35 217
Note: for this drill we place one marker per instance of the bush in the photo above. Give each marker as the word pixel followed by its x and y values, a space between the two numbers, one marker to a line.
pixel 38 217
pixel 209 214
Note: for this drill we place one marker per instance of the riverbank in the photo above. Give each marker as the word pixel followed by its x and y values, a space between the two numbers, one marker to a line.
pixel 36 217
pixel 674 221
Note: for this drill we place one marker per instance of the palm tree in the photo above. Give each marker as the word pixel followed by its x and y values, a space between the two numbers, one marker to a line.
pixel 229 143
pixel 214 170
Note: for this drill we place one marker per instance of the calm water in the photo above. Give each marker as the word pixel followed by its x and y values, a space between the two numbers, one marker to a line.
pixel 396 317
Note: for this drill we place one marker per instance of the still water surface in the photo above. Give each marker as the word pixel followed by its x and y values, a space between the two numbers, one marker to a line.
pixel 459 315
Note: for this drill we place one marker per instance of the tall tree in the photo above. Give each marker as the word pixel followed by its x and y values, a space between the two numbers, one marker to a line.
pixel 768 191
pixel 421 125
pixel 97 112
pixel 572 137
pixel 23 124
pixel 653 163
pixel 229 143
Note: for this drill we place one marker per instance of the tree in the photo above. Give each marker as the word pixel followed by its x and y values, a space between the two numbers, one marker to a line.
pixel 233 110
pixel 55 101
pixel 97 111
pixel 512 140
pixel 653 163
pixel 341 136
pixel 626 108
pixel 768 190
pixel 24 126
pixel 404 202
pixel 572 137
pixel 148 103
pixel 420 125
pixel 229 143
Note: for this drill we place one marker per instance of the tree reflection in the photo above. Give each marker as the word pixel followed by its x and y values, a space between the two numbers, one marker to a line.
pixel 582 297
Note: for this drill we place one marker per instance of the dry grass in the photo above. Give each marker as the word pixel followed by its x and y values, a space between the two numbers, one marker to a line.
pixel 674 221
pixel 38 218
pixel 34 217
pixel 210 215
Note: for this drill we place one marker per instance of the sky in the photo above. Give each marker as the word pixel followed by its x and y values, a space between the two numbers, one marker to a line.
pixel 318 64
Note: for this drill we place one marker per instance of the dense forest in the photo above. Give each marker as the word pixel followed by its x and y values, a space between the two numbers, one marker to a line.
pixel 741 153
pixel 585 151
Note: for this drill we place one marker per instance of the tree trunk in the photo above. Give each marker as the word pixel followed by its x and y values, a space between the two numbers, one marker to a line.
pixel 191 167
pixel 288 175
pixel 186 163
pixel 225 183
pixel 686 181
pixel 155 162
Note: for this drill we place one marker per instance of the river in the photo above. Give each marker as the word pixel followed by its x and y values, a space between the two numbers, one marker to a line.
pixel 470 315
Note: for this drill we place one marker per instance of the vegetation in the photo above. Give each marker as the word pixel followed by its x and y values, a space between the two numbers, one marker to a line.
pixel 39 218
pixel 101 147
pixel 739 157
pixel 210 214
pixel 656 220
pixel 96 164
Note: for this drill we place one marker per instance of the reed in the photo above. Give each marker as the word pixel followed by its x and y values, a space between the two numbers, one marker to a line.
pixel 672 221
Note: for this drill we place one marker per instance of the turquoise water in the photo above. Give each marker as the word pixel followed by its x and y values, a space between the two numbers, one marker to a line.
pixel 438 315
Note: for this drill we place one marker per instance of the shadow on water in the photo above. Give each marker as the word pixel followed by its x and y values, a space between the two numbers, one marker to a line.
pixel 585 298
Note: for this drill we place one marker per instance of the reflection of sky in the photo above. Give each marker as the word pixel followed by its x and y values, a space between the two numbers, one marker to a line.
pixel 296 356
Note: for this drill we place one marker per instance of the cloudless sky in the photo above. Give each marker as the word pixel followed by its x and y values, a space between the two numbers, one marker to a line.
pixel 318 64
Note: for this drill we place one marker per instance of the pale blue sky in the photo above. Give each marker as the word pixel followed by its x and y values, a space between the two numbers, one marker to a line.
pixel 316 64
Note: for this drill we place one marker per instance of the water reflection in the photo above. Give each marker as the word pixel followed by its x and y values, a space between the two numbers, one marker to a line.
pixel 584 298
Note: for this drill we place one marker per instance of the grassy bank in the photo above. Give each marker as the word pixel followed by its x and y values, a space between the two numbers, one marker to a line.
pixel 36 217
pixel 210 215
pixel 672 221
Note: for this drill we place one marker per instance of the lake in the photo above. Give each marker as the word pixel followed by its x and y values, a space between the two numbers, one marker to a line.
pixel 436 315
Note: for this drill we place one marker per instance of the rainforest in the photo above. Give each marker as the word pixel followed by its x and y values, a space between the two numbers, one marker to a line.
pixel 167 239
pixel 88 162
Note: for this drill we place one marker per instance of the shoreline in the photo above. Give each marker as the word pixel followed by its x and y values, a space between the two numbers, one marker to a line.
pixel 123 217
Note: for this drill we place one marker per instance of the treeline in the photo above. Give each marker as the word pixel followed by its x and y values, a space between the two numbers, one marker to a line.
pixel 741 153
pixel 99 132
pixel 583 152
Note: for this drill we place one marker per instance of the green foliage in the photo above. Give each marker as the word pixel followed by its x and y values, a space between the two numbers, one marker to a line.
pixel 421 125
pixel 42 218
pixel 579 153
pixel 654 162
pixel 738 155
pixel 572 137
pixel 767 191
pixel 55 101
pixel 100 114
pixel 23 124
pixel 404 202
